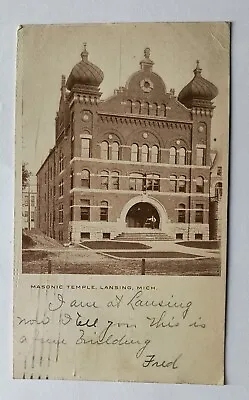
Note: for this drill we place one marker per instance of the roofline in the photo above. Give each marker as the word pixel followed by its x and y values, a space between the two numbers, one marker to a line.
pixel 50 152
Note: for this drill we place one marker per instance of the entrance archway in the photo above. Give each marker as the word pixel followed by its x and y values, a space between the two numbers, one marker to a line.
pixel 142 215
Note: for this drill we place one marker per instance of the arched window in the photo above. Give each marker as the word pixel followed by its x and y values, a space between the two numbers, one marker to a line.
pixel 154 154
pixel 104 150
pixel 104 211
pixel 115 180
pixel 134 152
pixel 146 108
pixel 182 186
pixel 163 110
pixel 85 178
pixel 182 213
pixel 145 153
pixel 218 190
pixel 104 180
pixel 137 108
pixel 182 156
pixel 115 151
pixel 200 184
pixel 154 109
pixel 173 182
pixel 137 181
pixel 172 155
pixel 129 106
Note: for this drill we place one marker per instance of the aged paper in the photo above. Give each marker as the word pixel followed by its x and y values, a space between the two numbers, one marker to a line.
pixel 121 207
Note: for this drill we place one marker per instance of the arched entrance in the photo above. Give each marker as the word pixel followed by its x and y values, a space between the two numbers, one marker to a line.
pixel 142 215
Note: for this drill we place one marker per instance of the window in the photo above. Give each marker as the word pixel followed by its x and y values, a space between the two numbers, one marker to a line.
pixel 60 213
pixel 72 179
pixel 179 236
pixel 115 180
pixel 32 216
pixel 45 178
pixel 200 156
pixel 26 214
pixel 104 180
pixel 154 154
pixel 198 236
pixel 137 182
pixel 85 148
pixel 26 200
pixel 218 190
pixel 173 182
pixel 134 152
pixel 71 210
pixel 104 150
pixel 182 184
pixel 85 210
pixel 182 213
pixel 61 162
pixel 84 235
pixel 106 235
pixel 104 211
pixel 172 155
pixel 85 178
pixel 153 182
pixel 219 171
pixel 61 188
pixel 199 184
pixel 182 156
pixel 199 213
pixel 137 108
pixel 145 153
pixel 115 151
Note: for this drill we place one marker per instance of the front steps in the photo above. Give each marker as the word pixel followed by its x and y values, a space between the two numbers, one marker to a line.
pixel 143 236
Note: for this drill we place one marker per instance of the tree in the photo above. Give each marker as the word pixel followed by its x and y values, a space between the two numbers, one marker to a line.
pixel 25 175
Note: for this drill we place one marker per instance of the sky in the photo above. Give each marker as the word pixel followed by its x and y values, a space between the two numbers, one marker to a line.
pixel 48 51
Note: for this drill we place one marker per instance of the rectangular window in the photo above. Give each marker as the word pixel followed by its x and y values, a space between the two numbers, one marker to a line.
pixel 32 216
pixel 106 235
pixel 182 185
pixel 85 210
pixel 26 200
pixel 179 236
pixel 61 162
pixel 71 210
pixel 32 201
pixel 199 213
pixel 137 182
pixel 200 156
pixel 153 182
pixel 84 235
pixel 60 213
pixel 85 148
pixel 198 236
pixel 61 188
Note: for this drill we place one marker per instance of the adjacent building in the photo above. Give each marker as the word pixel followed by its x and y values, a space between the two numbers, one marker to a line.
pixel 29 199
pixel 136 162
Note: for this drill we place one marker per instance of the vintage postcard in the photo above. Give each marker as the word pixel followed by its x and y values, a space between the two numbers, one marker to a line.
pixel 121 202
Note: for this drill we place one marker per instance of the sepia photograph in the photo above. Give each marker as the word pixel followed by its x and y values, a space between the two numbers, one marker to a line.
pixel 125 145
pixel 122 135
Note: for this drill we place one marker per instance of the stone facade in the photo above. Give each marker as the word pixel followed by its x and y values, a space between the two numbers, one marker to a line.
pixel 139 160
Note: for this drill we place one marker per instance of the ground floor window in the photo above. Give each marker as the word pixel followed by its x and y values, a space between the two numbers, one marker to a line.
pixel 84 235
pixel 179 236
pixel 198 236
pixel 106 235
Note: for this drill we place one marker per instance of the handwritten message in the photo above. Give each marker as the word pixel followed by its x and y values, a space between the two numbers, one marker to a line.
pixel 130 320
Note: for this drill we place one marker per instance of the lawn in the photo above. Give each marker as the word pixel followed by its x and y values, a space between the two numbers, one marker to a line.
pixel 202 244
pixel 108 245
pixel 81 261
pixel 151 254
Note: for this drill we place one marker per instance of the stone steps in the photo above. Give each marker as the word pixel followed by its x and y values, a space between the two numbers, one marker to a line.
pixel 143 236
